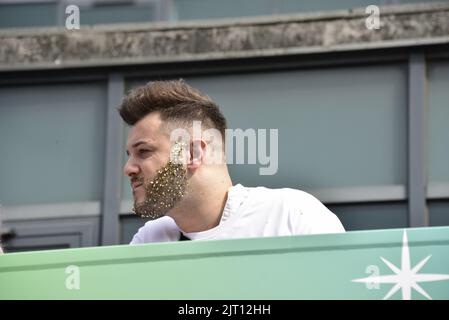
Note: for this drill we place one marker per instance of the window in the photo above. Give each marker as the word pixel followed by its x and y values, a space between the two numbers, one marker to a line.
pixel 52 143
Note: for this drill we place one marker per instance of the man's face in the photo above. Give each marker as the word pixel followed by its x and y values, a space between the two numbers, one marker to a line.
pixel 157 183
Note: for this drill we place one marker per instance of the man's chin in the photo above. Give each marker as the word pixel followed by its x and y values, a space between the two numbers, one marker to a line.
pixel 144 210
pixel 138 204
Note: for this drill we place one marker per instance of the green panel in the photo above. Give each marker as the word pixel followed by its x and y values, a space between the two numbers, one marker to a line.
pixel 33 248
pixel 28 15
pixel 337 127
pixel 207 9
pixel 365 216
pixel 438 120
pixel 301 267
pixel 52 143
pixel 118 13
pixel 439 212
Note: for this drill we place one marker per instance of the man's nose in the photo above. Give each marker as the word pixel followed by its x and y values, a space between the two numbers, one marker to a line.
pixel 130 168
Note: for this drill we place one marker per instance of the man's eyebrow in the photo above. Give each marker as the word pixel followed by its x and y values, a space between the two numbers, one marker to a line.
pixel 138 143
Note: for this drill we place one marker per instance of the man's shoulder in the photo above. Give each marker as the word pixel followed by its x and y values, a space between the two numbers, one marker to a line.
pixel 297 200
pixel 286 195
pixel 284 199
pixel 305 212
pixel 158 230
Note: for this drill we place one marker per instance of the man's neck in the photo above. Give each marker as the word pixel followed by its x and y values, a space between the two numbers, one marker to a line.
pixel 203 210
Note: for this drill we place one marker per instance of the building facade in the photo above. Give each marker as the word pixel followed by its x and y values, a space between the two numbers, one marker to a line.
pixel 362 113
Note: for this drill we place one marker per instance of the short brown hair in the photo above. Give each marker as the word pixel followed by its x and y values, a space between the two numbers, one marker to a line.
pixel 176 101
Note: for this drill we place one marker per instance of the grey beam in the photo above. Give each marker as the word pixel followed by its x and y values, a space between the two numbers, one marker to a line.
pixel 438 190
pixel 360 194
pixel 418 214
pixel 209 40
pixel 50 211
pixel 112 169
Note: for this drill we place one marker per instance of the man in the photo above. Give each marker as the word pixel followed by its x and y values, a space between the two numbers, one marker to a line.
pixel 186 189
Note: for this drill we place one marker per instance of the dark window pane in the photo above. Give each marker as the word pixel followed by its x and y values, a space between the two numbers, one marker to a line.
pixel 28 15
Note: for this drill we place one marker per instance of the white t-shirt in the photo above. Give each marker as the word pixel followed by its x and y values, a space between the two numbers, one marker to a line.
pixel 253 212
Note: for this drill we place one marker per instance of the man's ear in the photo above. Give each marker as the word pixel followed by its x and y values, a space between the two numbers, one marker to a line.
pixel 197 154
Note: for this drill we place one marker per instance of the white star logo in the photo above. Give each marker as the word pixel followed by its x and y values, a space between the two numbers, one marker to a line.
pixel 405 278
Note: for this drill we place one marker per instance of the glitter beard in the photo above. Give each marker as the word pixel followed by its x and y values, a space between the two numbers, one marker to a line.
pixel 166 189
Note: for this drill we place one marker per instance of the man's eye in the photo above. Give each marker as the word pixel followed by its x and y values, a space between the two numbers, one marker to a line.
pixel 143 151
